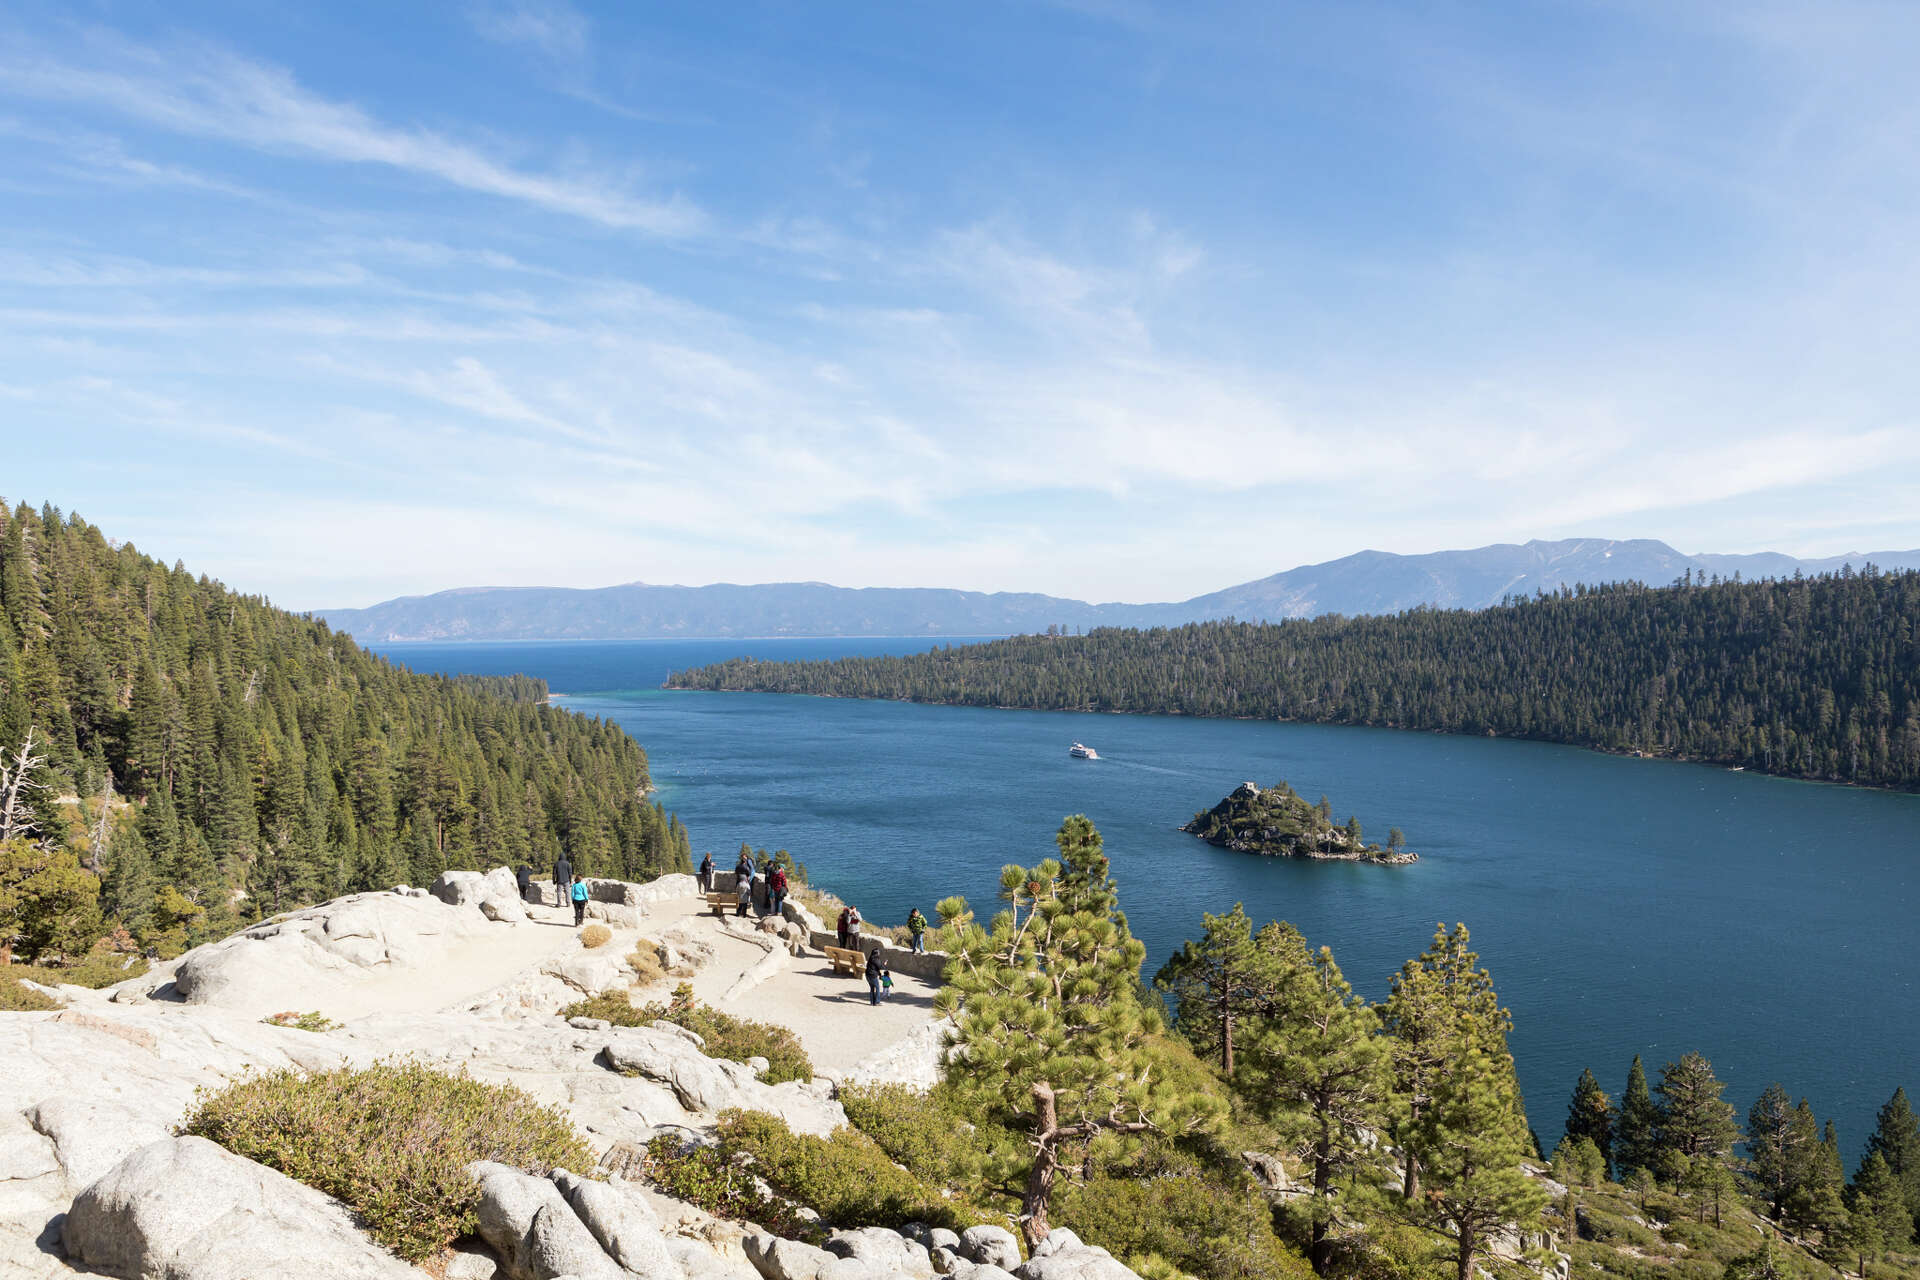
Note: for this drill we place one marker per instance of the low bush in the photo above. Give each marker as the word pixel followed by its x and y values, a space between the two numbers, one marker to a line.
pixel 929 1133
pixel 393 1141
pixel 17 997
pixel 846 1179
pixel 1163 1203
pixel 719 1183
pixel 313 1020
pixel 647 966
pixel 102 967
pixel 595 935
pixel 725 1036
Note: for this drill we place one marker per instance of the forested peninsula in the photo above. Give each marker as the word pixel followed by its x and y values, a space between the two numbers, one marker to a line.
pixel 1805 677
pixel 177 759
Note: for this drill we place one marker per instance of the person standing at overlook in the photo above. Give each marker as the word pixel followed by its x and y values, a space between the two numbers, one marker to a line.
pixel 777 889
pixel 879 977
pixel 917 930
pixel 578 890
pixel 562 878
pixel 706 873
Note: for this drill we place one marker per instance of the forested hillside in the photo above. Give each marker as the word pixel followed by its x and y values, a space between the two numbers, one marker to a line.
pixel 198 758
pixel 1809 677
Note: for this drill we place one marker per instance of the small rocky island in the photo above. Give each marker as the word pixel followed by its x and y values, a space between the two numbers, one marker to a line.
pixel 1279 823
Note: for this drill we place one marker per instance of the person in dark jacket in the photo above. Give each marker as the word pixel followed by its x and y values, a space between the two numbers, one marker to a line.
pixel 777 889
pixel 562 877
pixel 524 878
pixel 840 926
pixel 706 873
pixel 743 869
pixel 578 891
pixel 879 977
pixel 917 929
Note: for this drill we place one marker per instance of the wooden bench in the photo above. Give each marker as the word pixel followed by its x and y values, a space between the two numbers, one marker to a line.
pixel 846 959
pixel 723 902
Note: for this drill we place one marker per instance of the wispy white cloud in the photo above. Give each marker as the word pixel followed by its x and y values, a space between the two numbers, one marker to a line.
pixel 552 28
pixel 209 92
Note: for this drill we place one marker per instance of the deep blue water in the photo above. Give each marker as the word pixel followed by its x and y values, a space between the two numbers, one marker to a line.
pixel 1623 906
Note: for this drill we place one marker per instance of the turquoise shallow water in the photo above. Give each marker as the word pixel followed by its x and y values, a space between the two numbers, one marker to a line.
pixel 1623 906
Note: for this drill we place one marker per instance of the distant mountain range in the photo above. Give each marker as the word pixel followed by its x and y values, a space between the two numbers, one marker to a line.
pixel 1369 582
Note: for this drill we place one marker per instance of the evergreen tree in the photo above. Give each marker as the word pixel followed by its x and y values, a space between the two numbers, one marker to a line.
pixel 1218 983
pixel 127 892
pixel 1055 1039
pixel 1435 997
pixel 1777 1148
pixel 49 904
pixel 1320 1071
pixel 1471 1138
pixel 1590 1117
pixel 1896 1140
pixel 1817 1202
pixel 1877 1210
pixel 1695 1122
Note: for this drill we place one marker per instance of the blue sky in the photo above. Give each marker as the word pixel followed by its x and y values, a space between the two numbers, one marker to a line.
pixel 1107 299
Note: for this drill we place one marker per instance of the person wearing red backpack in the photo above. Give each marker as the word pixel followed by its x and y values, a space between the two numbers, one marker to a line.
pixel 777 888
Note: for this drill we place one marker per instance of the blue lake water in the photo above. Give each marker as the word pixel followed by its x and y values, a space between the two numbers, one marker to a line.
pixel 1623 906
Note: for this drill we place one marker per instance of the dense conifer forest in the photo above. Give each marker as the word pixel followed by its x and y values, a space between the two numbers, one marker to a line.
pixel 180 758
pixel 1807 677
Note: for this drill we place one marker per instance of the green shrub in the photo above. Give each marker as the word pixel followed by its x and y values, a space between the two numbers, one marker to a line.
pixel 846 1179
pixel 1165 1204
pixel 715 1181
pixel 393 1141
pixel 17 997
pixel 101 967
pixel 929 1133
pixel 313 1020
pixel 725 1036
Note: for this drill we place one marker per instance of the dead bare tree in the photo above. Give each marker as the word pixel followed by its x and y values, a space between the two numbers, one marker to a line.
pixel 102 826
pixel 17 786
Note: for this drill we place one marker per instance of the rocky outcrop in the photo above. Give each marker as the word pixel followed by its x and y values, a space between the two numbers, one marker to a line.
pixel 186 1209
pixel 882 1251
pixel 916 1061
pixel 324 950
pixel 711 1085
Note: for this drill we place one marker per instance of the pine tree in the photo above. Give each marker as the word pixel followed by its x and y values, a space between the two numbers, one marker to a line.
pixel 1218 984
pixel 1896 1140
pixel 1695 1122
pixel 1777 1148
pixel 1321 1073
pixel 1434 995
pixel 1818 1202
pixel 127 893
pixel 1590 1116
pixel 1471 1138
pixel 1877 1209
pixel 1054 1037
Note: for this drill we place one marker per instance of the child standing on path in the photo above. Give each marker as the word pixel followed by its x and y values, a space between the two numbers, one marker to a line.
pixel 879 977
pixel 917 927
pixel 579 892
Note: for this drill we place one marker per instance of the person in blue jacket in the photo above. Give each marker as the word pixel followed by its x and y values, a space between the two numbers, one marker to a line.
pixel 579 894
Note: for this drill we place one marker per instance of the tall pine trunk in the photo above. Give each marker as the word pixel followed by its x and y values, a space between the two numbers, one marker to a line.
pixel 1046 1159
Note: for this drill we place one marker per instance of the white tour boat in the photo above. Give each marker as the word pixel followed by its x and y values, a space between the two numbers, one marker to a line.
pixel 1081 751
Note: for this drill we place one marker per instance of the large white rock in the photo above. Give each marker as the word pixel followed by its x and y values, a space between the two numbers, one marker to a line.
pixel 994 1246
pixel 91 1136
pixel 623 1223
pixel 882 1250
pixel 459 888
pixel 778 1259
pixel 711 1085
pixel 186 1209
pixel 505 908
pixel 1063 1256
pixel 312 955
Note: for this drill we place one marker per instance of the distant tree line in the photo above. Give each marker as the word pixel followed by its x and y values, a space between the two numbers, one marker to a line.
pixel 177 759
pixel 1807 677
